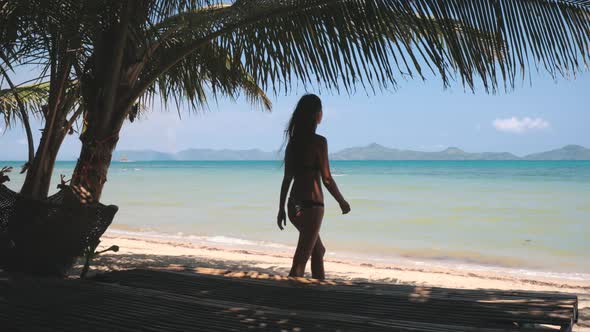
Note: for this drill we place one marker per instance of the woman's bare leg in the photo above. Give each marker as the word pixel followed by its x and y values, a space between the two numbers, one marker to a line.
pixel 317 260
pixel 308 223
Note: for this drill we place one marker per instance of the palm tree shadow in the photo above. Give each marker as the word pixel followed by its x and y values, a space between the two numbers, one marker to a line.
pixel 346 302
pixel 117 262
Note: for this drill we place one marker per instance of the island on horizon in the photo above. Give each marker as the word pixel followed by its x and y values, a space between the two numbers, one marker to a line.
pixel 372 151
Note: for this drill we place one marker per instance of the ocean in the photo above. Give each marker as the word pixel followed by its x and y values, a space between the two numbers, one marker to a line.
pixel 524 217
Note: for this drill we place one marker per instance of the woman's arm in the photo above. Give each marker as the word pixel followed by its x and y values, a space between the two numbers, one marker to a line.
pixel 327 178
pixel 282 216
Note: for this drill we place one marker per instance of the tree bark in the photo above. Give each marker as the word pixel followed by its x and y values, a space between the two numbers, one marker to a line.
pixel 38 178
pixel 105 113
pixel 98 143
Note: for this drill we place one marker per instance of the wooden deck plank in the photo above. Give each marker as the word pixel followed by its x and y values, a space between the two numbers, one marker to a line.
pixel 386 288
pixel 155 301
pixel 477 309
pixel 89 306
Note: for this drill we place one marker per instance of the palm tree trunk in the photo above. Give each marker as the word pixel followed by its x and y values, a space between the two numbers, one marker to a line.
pixel 93 165
pixel 38 178
pixel 98 143
pixel 105 112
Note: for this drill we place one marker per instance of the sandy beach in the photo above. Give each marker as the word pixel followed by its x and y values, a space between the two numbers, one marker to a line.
pixel 145 252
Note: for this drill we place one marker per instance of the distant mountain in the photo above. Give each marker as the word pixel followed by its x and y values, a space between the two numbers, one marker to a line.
pixel 370 152
pixel 378 152
pixel 568 152
pixel 133 155
pixel 194 154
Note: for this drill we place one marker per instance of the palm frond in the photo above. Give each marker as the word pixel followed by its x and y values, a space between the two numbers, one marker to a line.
pixel 209 71
pixel 334 43
pixel 161 9
pixel 34 98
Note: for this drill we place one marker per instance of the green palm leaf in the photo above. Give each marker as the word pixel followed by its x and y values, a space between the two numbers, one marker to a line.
pixel 210 70
pixel 343 43
pixel 33 97
pixel 334 44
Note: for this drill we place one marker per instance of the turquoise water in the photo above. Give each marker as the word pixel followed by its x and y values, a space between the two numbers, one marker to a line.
pixel 520 215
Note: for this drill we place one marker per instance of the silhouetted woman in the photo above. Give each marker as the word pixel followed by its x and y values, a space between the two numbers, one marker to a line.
pixel 306 162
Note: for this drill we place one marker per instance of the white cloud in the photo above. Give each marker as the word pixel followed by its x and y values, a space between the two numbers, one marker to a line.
pixel 516 125
pixel 22 141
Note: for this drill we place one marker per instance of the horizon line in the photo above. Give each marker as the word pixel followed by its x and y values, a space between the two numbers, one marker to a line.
pixel 354 147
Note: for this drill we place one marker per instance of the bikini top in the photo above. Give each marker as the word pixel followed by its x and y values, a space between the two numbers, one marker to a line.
pixel 315 167
pixel 308 168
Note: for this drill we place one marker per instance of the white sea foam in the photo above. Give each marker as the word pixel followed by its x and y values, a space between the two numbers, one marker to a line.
pixel 399 261
pixel 229 240
pixel 224 241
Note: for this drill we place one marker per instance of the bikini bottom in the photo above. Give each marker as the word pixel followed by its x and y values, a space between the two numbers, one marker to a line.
pixel 300 205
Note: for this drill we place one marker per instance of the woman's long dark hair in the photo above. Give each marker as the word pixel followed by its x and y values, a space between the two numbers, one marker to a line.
pixel 301 130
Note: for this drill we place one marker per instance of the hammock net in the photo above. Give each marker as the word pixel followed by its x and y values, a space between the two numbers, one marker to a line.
pixel 46 237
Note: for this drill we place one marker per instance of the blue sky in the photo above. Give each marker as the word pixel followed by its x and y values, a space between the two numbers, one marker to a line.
pixel 535 116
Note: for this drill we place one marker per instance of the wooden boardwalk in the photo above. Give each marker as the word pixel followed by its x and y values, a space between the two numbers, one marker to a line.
pixel 147 300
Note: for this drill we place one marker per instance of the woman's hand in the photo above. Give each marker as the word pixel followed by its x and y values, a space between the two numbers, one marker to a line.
pixel 282 219
pixel 345 207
